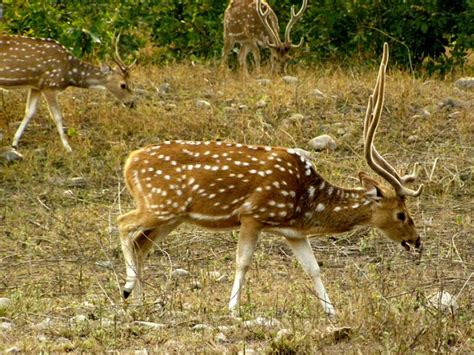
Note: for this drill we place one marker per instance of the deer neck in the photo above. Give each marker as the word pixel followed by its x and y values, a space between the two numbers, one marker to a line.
pixel 85 75
pixel 332 209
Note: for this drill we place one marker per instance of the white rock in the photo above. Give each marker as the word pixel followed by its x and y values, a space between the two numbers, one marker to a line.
pixel 323 142
pixel 341 131
pixel 13 350
pixel 465 83
pixel 177 273
pixel 6 326
pixel 203 104
pixel 290 79
pixel 42 338
pixel 264 322
pixel 412 138
pixel 151 325
pixel 243 107
pixel 220 338
pixel 224 328
pixel 443 301
pixel 68 193
pixel 247 351
pixel 10 155
pixel 80 318
pixel 4 302
pixel 141 352
pixel 318 94
pixel 296 117
pixel 282 333
pixel 264 82
pixel 261 104
pixel 201 327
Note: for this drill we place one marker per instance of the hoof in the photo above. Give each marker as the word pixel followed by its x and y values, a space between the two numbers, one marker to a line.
pixel 126 293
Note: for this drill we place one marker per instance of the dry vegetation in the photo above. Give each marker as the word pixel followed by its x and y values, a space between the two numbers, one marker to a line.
pixel 60 254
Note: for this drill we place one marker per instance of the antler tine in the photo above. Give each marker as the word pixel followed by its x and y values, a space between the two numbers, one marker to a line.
pixel 264 17
pixel 294 18
pixel 118 59
pixel 371 121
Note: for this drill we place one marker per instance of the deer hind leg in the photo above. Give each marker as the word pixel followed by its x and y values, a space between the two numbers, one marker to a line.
pixel 51 98
pixel 137 240
pixel 31 106
pixel 248 237
pixel 303 252
pixel 243 53
pixel 256 56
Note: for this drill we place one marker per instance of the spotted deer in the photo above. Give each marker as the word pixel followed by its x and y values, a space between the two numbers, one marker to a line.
pixel 253 23
pixel 47 68
pixel 221 185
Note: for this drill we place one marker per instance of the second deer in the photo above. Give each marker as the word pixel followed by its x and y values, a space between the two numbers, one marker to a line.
pixel 46 68
pixel 258 189
pixel 253 23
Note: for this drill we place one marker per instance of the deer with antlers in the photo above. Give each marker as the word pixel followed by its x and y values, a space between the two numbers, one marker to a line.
pixel 46 68
pixel 258 189
pixel 253 23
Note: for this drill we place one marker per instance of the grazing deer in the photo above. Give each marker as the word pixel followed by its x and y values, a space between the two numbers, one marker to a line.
pixel 222 185
pixel 46 68
pixel 253 23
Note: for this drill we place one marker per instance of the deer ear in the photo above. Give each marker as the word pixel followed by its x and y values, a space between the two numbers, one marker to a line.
pixel 372 187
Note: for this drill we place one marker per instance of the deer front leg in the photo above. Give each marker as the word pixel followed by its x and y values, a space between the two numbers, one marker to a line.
pixel 248 237
pixel 31 105
pixel 303 252
pixel 55 111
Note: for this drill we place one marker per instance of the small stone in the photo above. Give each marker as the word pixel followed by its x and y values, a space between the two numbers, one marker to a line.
pixel 264 322
pixel 443 301
pixel 9 155
pixel 164 88
pixel 203 104
pixel 177 273
pixel 141 352
pixel 317 94
pixel 45 324
pixel 454 114
pixel 297 117
pixel 220 338
pixel 264 82
pixel 282 333
pixel 323 142
pixel 290 79
pixel 170 106
pixel 151 325
pixel 13 350
pixel 243 107
pixel 247 351
pixel 261 104
pixel 465 83
pixel 412 138
pixel 196 285
pixel 6 326
pixel 42 338
pixel 201 327
pixel 80 318
pixel 450 103
pixel 341 131
pixel 76 182
pixel 68 193
pixel 4 302
pixel 423 114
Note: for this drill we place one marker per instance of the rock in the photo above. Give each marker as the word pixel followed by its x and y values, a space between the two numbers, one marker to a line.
pixel 196 285
pixel 264 322
pixel 264 82
pixel 323 142
pixel 454 114
pixel 341 131
pixel 170 106
pixel 45 324
pixel 290 79
pixel 220 338
pixel 450 103
pixel 247 351
pixel 164 88
pixel 42 338
pixel 443 301
pixel 80 318
pixel 297 117
pixel 141 352
pixel 177 273
pixel 224 328
pixel 78 181
pixel 201 327
pixel 9 155
pixel 317 94
pixel 68 193
pixel 4 302
pixel 151 325
pixel 261 104
pixel 423 114
pixel 13 350
pixel 243 107
pixel 203 104
pixel 282 333
pixel 465 83
pixel 412 139
pixel 6 326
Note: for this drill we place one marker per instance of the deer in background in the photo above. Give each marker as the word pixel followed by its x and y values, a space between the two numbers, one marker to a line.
pixel 46 68
pixel 253 23
pixel 258 189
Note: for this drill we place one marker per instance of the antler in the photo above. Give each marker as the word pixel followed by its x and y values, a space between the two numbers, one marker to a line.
pixel 263 14
pixel 294 18
pixel 371 121
pixel 123 67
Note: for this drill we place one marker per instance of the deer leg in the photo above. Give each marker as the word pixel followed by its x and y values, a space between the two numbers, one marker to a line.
pixel 249 231
pixel 256 56
pixel 136 244
pixel 303 252
pixel 51 98
pixel 244 51
pixel 228 45
pixel 31 105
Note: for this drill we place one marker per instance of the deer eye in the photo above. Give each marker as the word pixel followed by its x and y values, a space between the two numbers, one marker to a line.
pixel 401 216
pixel 123 86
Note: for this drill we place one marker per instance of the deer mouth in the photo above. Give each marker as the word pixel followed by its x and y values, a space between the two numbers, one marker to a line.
pixel 417 244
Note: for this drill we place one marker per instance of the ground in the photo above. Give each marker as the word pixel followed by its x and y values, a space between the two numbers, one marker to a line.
pixel 61 264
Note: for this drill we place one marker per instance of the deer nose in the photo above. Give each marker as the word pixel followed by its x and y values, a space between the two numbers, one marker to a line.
pixel 418 243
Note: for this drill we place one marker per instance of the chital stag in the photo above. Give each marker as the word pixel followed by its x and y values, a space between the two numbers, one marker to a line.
pixel 253 23
pixel 46 68
pixel 257 188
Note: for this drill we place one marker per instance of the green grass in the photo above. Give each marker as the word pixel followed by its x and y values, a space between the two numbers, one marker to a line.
pixel 60 253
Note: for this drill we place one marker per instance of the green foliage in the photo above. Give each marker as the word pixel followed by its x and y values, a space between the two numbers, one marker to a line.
pixel 419 31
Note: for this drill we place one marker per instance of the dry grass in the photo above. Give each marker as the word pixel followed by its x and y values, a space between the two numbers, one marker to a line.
pixel 60 255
